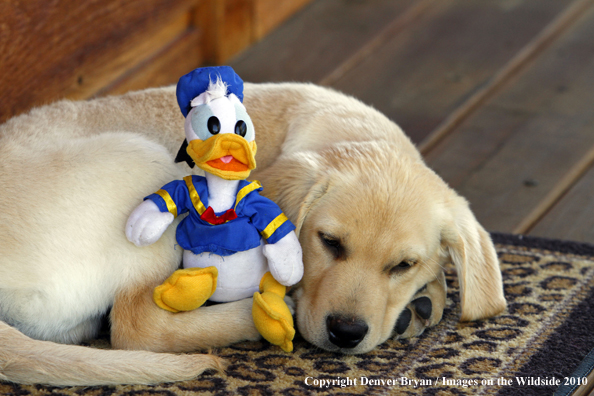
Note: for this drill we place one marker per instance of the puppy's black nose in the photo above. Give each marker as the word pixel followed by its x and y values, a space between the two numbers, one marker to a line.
pixel 345 332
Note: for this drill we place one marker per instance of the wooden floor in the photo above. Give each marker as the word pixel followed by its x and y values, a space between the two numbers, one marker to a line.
pixel 498 94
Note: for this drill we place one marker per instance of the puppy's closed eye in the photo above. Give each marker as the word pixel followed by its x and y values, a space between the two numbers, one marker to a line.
pixel 333 245
pixel 399 268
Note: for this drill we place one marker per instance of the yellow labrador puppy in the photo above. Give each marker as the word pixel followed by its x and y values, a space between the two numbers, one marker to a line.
pixel 376 226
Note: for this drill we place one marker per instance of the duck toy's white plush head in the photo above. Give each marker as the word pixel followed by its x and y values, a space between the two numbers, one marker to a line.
pixel 220 136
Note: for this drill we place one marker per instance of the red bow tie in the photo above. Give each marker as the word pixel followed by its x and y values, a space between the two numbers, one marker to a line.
pixel 210 217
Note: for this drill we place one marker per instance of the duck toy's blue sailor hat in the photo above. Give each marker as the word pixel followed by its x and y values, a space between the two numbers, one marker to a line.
pixel 196 82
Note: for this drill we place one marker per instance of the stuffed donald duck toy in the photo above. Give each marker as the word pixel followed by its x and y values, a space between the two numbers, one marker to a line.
pixel 225 257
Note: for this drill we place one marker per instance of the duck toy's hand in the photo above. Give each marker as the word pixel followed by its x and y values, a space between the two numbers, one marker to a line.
pixel 285 259
pixel 147 223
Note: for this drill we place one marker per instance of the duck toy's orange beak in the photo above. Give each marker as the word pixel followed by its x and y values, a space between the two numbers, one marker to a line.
pixel 228 156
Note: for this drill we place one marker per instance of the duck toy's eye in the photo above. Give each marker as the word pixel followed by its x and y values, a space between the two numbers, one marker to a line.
pixel 214 125
pixel 240 128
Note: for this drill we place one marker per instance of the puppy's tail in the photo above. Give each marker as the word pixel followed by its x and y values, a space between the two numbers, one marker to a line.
pixel 27 361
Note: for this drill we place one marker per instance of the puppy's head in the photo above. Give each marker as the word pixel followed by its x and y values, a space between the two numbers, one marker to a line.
pixel 376 227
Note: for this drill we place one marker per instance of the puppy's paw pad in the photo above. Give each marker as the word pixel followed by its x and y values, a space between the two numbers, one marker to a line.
pixel 423 307
pixel 403 321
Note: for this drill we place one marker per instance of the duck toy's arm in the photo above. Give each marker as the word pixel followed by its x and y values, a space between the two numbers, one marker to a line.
pixel 147 223
pixel 285 259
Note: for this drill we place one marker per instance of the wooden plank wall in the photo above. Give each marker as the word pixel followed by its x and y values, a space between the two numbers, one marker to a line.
pixel 80 49
pixel 498 94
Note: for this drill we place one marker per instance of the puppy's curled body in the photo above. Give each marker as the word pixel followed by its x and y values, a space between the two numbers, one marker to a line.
pixel 71 173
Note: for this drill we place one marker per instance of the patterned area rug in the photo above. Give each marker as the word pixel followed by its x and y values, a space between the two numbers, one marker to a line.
pixel 530 349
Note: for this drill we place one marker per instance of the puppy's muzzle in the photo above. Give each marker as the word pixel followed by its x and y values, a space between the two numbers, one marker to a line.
pixel 345 332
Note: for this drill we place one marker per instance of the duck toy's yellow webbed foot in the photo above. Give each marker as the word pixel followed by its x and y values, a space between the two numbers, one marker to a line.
pixel 186 289
pixel 271 314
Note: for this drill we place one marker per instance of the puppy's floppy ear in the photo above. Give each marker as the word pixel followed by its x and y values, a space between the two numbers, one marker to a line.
pixel 316 191
pixel 296 183
pixel 472 252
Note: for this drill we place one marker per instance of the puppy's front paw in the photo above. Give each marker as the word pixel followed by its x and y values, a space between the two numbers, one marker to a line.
pixel 425 309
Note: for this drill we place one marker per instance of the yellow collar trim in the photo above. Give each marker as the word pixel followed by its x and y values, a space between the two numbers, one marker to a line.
pixel 254 185
pixel 198 205
pixel 197 202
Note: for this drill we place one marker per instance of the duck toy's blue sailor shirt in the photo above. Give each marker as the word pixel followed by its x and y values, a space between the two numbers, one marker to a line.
pixel 236 230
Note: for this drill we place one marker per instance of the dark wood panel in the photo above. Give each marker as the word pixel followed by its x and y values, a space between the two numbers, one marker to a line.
pixel 50 50
pixel 511 154
pixel 324 35
pixel 269 14
pixel 424 73
pixel 231 26
pixel 572 218
pixel 165 68
pixel 137 53
pixel 466 151
pixel 512 68
pixel 228 25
